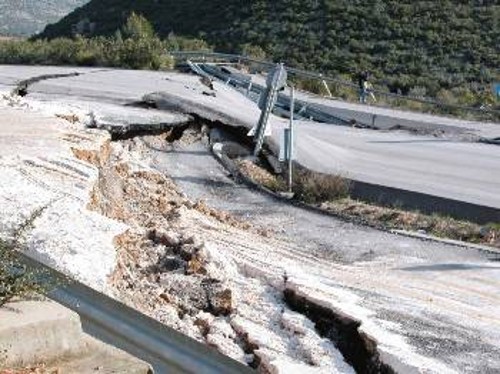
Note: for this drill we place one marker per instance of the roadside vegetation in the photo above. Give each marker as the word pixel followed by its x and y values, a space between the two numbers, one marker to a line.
pixel 308 187
pixel 134 46
pixel 18 280
pixel 398 219
pixel 330 193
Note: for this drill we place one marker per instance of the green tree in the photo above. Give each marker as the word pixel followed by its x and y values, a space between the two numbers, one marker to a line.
pixel 137 27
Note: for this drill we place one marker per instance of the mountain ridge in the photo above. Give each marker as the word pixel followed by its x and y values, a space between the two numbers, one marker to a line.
pixel 27 17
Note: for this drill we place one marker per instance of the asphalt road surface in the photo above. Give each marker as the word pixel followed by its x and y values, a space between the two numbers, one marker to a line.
pixel 445 165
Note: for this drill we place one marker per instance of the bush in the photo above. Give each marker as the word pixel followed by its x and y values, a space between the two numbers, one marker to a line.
pixel 16 280
pixel 179 43
pixel 136 47
pixel 314 187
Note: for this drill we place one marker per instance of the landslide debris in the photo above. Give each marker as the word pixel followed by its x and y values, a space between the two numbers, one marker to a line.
pixel 162 271
pixel 176 263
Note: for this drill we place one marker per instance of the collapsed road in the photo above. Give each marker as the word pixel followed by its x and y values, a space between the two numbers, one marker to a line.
pixel 442 163
pixel 430 307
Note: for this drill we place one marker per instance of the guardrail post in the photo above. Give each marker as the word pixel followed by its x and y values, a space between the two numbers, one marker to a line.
pixel 326 86
pixel 249 88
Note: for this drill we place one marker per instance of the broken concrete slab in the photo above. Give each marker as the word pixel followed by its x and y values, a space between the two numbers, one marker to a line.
pixel 102 359
pixel 32 332
pixel 45 333
pixel 43 166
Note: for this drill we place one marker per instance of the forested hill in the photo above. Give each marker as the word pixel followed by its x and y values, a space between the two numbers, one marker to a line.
pixel 430 44
pixel 27 17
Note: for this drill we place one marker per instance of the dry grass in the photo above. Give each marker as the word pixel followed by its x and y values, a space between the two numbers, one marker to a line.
pixel 261 176
pixel 436 225
pixel 313 187
pixel 330 193
pixel 308 186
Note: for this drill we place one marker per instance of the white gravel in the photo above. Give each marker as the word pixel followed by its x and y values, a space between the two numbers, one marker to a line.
pixel 41 175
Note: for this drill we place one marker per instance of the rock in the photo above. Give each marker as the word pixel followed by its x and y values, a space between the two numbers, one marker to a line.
pixel 186 252
pixel 172 264
pixel 220 298
pixel 196 266
pixel 222 302
pixel 203 322
pixel 167 238
pixel 187 293
pixel 165 297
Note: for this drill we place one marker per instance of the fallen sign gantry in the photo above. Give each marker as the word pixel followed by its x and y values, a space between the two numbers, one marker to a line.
pixel 112 322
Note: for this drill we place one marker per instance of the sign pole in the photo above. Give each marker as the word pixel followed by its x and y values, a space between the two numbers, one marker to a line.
pixel 291 139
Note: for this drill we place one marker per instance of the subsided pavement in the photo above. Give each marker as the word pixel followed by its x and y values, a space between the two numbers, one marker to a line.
pixel 438 166
pixel 441 300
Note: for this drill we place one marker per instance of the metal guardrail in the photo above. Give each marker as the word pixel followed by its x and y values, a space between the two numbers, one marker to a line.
pixel 305 110
pixel 167 350
pixel 204 55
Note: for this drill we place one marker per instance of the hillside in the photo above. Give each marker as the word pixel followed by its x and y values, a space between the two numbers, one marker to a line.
pixel 27 17
pixel 406 44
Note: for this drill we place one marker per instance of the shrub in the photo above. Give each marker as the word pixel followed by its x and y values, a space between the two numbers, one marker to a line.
pixel 253 51
pixel 137 27
pixel 313 187
pixel 136 47
pixel 16 279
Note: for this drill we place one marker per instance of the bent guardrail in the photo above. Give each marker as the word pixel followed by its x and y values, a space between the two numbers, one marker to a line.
pixel 206 56
pixel 167 350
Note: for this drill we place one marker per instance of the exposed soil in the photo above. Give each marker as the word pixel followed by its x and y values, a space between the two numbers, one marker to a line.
pixel 173 264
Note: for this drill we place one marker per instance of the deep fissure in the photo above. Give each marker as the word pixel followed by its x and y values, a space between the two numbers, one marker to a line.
pixel 358 349
pixel 22 88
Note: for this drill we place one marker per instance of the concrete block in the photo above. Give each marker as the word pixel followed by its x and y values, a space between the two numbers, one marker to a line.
pixel 34 331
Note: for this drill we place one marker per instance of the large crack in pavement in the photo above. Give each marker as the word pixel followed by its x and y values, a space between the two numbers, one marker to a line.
pixel 22 88
pixel 358 349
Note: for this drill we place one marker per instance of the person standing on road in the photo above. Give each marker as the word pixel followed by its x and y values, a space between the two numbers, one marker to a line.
pixel 362 82
pixel 369 90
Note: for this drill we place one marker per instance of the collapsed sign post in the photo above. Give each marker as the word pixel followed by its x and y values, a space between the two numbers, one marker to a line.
pixel 276 81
